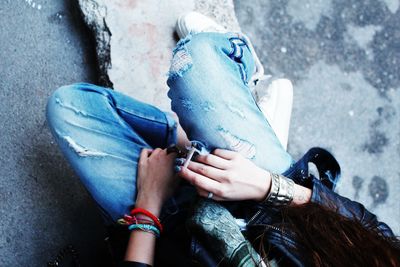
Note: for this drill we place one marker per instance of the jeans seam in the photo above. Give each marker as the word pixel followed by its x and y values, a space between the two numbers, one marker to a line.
pixel 172 130
pixel 131 113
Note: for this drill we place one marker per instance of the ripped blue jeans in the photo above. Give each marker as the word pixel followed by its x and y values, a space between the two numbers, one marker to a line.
pixel 101 132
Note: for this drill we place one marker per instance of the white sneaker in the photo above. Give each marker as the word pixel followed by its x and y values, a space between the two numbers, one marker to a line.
pixel 194 22
pixel 276 106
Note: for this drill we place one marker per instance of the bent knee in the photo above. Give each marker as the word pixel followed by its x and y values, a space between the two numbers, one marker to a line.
pixel 204 42
pixel 64 100
pixel 54 111
pixel 196 50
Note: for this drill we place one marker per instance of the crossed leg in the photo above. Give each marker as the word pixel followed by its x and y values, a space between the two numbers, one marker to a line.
pixel 209 93
pixel 101 132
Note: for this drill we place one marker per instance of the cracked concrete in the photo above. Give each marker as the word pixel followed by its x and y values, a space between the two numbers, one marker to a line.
pixel 135 40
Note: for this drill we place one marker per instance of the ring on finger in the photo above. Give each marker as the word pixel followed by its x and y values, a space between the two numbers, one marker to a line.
pixel 210 195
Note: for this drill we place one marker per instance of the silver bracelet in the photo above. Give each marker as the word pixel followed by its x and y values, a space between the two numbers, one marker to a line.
pixel 281 191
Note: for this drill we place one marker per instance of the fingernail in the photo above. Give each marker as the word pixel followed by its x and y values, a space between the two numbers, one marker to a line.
pixel 179 161
pixel 177 168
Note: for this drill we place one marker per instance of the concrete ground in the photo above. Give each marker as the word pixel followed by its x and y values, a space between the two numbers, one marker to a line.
pixel 343 58
pixel 43 206
pixel 341 55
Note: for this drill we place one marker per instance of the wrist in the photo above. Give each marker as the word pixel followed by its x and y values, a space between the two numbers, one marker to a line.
pixel 264 185
pixel 153 206
pixel 302 195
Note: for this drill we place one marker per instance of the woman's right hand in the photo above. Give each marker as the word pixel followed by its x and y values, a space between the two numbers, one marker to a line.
pixel 228 175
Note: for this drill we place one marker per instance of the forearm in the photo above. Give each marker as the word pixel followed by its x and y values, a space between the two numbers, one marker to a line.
pixel 301 195
pixel 155 183
pixel 141 247
pixel 141 244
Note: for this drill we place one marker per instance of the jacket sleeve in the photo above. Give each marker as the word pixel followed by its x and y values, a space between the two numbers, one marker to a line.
pixel 348 208
pixel 132 264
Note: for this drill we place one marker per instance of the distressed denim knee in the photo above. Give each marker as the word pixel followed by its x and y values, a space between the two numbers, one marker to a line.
pixel 56 117
pixel 101 133
pixel 207 49
pixel 209 92
pixel 66 98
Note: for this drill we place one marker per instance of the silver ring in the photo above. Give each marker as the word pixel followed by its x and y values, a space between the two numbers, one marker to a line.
pixel 210 195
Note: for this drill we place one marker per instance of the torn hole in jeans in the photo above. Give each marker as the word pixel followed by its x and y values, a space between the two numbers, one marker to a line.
pixel 82 151
pixel 237 144
pixel 181 59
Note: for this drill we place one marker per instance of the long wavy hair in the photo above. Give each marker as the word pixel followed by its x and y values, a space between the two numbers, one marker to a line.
pixel 326 238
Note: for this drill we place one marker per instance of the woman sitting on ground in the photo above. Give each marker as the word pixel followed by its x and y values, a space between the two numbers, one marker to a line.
pixel 256 207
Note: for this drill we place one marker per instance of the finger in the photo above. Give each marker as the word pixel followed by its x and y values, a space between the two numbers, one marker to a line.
pixel 155 152
pixel 206 170
pixel 169 156
pixel 213 160
pixel 172 149
pixel 200 181
pixel 205 194
pixel 144 154
pixel 226 154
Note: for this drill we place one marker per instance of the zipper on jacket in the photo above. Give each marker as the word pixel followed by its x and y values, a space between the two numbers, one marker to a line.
pixel 254 216
pixel 277 229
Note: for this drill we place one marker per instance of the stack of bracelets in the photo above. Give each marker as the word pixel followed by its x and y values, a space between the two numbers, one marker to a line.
pixel 135 221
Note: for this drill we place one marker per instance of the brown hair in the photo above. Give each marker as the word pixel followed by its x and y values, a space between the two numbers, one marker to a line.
pixel 325 238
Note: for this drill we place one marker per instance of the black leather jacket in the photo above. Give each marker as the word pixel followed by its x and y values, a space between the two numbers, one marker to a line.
pixel 322 193
pixel 325 197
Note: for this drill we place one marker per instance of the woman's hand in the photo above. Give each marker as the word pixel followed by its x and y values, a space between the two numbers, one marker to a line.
pixel 228 175
pixel 155 183
pixel 156 179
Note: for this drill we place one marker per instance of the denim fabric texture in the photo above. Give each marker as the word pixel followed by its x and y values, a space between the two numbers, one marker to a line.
pixel 101 132
pixel 210 95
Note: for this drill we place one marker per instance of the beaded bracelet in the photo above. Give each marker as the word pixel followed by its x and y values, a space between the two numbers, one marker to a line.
pixel 128 220
pixel 156 221
pixel 146 228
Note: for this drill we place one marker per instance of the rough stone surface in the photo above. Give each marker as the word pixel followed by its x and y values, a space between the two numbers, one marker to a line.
pixel 135 40
pixel 343 58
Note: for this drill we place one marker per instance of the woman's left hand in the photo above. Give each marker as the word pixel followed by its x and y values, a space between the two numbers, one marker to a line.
pixel 228 176
pixel 156 180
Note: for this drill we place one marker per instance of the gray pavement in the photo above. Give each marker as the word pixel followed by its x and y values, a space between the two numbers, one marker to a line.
pixel 42 205
pixel 343 57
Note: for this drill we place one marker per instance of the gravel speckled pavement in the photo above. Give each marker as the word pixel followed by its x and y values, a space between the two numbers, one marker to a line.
pixel 43 206
pixel 344 60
